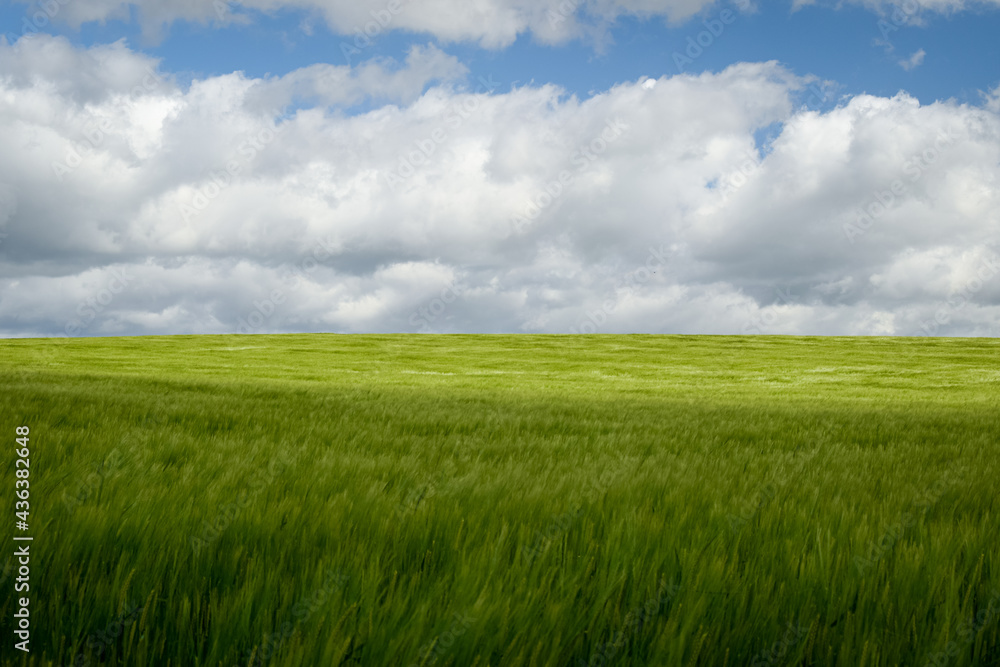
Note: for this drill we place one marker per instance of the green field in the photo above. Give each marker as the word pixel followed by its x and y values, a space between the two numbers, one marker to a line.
pixel 506 500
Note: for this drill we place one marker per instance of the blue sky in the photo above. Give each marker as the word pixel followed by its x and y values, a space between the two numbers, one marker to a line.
pixel 167 168
pixel 841 45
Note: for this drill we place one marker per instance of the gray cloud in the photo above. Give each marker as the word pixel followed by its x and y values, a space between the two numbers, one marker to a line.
pixel 133 206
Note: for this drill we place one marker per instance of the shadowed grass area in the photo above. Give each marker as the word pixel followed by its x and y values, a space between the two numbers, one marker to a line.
pixel 508 500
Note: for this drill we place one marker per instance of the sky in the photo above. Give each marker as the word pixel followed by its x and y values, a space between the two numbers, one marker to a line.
pixel 500 166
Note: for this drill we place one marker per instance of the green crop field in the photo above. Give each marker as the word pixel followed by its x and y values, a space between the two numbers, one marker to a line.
pixel 505 500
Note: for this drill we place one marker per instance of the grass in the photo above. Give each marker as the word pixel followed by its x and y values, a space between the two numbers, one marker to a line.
pixel 508 500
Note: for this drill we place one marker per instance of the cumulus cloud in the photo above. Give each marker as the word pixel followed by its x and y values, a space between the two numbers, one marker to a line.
pixel 133 205
pixel 939 6
pixel 379 81
pixel 912 10
pixel 490 23
pixel 993 100
pixel 914 61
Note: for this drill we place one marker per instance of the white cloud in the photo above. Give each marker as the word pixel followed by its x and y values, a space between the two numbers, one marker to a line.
pixel 917 6
pixel 914 61
pixel 993 100
pixel 458 209
pixel 490 23
pixel 373 80
pixel 913 11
